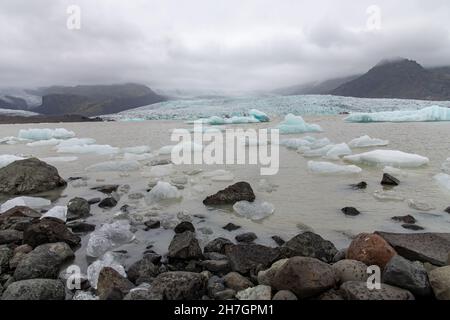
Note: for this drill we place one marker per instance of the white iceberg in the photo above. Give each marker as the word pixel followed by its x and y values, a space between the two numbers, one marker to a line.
pixel 163 191
pixel 85 149
pixel 443 180
pixel 320 152
pixel 137 150
pixel 393 158
pixel 337 151
pixel 295 143
pixel 58 212
pixel 254 210
pixel 108 260
pixel 7 159
pixel 259 115
pixel 44 143
pixel 433 113
pixel 332 168
pixel 12 140
pixel 76 142
pixel 30 202
pixel 295 124
pixel 45 134
pixel 121 166
pixel 109 236
pixel 367 141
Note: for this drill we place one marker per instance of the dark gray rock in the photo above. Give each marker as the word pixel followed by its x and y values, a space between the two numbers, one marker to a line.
pixel 284 295
pixel 184 226
pixel 108 203
pixel 18 218
pixel 412 227
pixel 309 244
pixel 10 236
pixel 214 256
pixel 49 230
pixel 43 262
pixel 247 237
pixel 142 294
pixel 35 289
pixel 217 245
pixel 80 227
pixel 226 294
pixel 354 290
pixel 143 270
pixel 179 285
pixel 152 224
pixel 231 227
pixel 409 219
pixel 6 255
pixel 350 211
pixel 405 274
pixel 362 185
pixel 94 201
pixel 106 189
pixel 19 253
pixel 237 282
pixel 447 210
pixel 111 285
pixel 331 295
pixel 241 191
pixel 389 180
pixel 278 240
pixel 29 176
pixel 250 257
pixel 78 208
pixel 216 266
pixel 184 246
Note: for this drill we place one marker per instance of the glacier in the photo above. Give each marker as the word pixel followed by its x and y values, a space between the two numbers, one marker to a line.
pixel 393 158
pixel 295 124
pixel 45 134
pixel 433 113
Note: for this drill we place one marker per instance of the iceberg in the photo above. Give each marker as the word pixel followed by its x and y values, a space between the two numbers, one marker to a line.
pixel 295 124
pixel 433 113
pixel 44 143
pixel 91 148
pixel 419 205
pixel 366 141
pixel 338 151
pixel 161 192
pixel 58 212
pixel 122 166
pixel 393 158
pixel 30 202
pixel 332 168
pixel 45 134
pixel 108 260
pixel 7 159
pixel 109 236
pixel 295 143
pixel 255 211
pixel 12 140
pixel 320 152
pixel 443 180
pixel 59 159
pixel 259 115
pixel 137 150
pixel 76 142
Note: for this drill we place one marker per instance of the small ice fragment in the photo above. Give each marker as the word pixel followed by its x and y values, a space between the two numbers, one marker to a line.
pixel 161 171
pixel 320 152
pixel 332 168
pixel 45 134
pixel 7 159
pixel 108 260
pixel 76 142
pixel 295 124
pixel 295 143
pixel 443 180
pixel 161 192
pixel 121 166
pixel 366 141
pixel 254 210
pixel 338 151
pixel 92 148
pixel 58 212
pixel 109 236
pixel 393 158
pixel 420 206
pixel 387 196
pixel 44 143
pixel 137 150
pixel 259 115
pixel 31 202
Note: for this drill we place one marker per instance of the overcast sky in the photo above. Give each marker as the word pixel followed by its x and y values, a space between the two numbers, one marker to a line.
pixel 213 44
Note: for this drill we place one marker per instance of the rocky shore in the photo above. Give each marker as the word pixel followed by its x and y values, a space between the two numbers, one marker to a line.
pixel 10 119
pixel 37 249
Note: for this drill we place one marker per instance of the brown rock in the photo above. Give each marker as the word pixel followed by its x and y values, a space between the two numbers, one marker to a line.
pixel 112 285
pixel 237 192
pixel 370 249
pixel 49 230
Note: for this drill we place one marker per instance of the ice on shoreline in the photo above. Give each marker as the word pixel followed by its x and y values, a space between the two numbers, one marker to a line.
pixel 443 180
pixel 295 124
pixel 433 113
pixel 58 212
pixel 31 202
pixel 393 158
pixel 107 260
pixel 337 151
pixel 161 192
pixel 367 141
pixel 109 236
pixel 45 134
pixel 7 159
pixel 255 211
pixel 332 168
pixel 44 143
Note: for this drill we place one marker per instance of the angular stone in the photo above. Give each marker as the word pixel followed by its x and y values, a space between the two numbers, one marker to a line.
pixel 143 270
pixel 241 191
pixel 217 245
pixel 184 246
pixel 78 208
pixel 259 292
pixel 231 227
pixel 179 285
pixel 18 218
pixel 350 211
pixel 266 276
pixel 389 180
pixel 370 249
pixel 49 230
pixel 246 237
pixel 111 285
pixel 354 290
pixel 309 244
pixel 10 236
pixel 250 257
pixel 35 289
pixel 440 282
pixel 237 282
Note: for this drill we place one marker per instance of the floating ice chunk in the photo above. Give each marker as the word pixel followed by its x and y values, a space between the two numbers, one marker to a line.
pixel 44 143
pixel 295 124
pixel 395 171
pixel 161 171
pixel 366 141
pixel 419 205
pixel 166 150
pixel 161 192
pixel 59 159
pixel 332 168
pixel 392 158
pixel 266 186
pixel 387 196
pixel 137 157
pixel 31 202
pixel 12 140
pixel 295 143
pixel 108 260
pixel 7 159
pixel 92 148
pixel 446 166
pixel 45 134
pixel 137 150
pixel 254 210
pixel 433 113
pixel 259 115
pixel 321 152
pixel 109 236
pixel 58 212
pixel 338 151
pixel 122 166
pixel 316 144
pixel 443 180
pixel 76 142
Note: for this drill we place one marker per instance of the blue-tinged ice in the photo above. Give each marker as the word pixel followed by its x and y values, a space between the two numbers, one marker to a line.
pixel 45 134
pixel 295 124
pixel 433 113
pixel 259 115
pixel 393 158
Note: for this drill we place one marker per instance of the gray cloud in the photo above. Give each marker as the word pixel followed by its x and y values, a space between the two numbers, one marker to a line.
pixel 213 45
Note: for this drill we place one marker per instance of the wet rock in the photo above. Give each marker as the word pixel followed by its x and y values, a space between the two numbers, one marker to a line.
pixel 440 282
pixel 78 208
pixel 142 294
pixel 231 227
pixel 246 237
pixel 106 189
pixel 405 274
pixel 350 211
pixel 250 257
pixel 80 227
pixel 18 218
pixel 6 255
pixel 447 210
pixel 215 284
pixel 266 276
pixel 152 224
pixel 111 285
pixel 305 277
pixel 354 290
pixel 309 244
pixel 350 270
pixel 362 185
pixel 184 246
pixel 10 236
pixel 94 201
pixel 278 240
pixel 237 282
pixel 43 262
pixel 412 227
pixel 179 285
pixel 19 253
pixel 125 209
pixel 389 180
pixel 340 255
pixel 107 203
pixel 226 294
pixel 284 295
pixel 214 256
pixel 217 245
pixel 184 226
pixel 241 191
pixel 29 176
pixel 331 295
pixel 424 247
pixel 49 230
pixel 409 219
pixel 35 289
pixel 370 249
pixel 143 270
pixel 216 266
pixel 259 292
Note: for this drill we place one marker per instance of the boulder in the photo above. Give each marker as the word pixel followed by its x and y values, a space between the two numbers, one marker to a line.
pixel 241 191
pixel 185 246
pixel 6 255
pixel 259 292
pixel 424 247
pixel 370 249
pixel 217 245
pixel 78 208
pixel 405 274
pixel 184 226
pixel 80 227
pixel 278 240
pixel 237 282
pixel 35 289
pixel 331 295
pixel 179 285
pixel 389 180
pixel 10 236
pixel 284 295
pixel 440 282
pixel 19 253
pixel 143 270
pixel 216 266
pixel 111 285
pixel 250 257
pixel 18 218
pixel 226 294
pixel 266 276
pixel 354 290
pixel 246 237
pixel 305 277
pixel 49 230
pixel 108 203
pixel 43 262
pixel 309 244
pixel 29 176
pixel 152 224
pixel 350 270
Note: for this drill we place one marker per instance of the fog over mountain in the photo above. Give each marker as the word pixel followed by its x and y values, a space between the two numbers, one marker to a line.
pixel 216 46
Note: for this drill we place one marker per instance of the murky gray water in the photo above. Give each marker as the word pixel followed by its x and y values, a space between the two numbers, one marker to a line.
pixel 302 198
